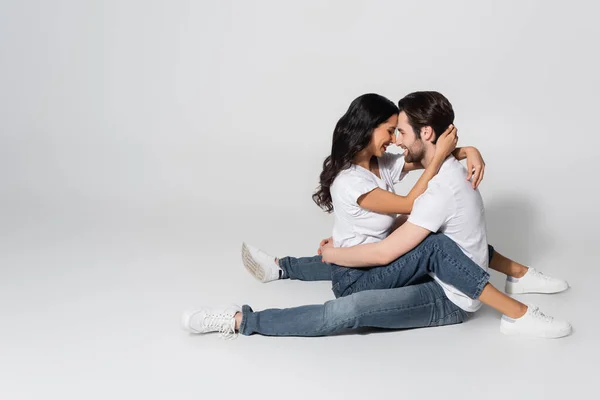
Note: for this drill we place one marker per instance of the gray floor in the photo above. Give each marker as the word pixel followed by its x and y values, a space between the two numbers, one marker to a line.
pixel 95 315
pixel 141 141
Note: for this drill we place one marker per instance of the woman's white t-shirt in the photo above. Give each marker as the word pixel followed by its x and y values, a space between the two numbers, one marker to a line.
pixel 354 225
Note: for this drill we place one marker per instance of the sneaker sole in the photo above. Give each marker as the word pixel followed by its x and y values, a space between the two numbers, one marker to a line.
pixel 251 265
pixel 545 335
pixel 508 290
pixel 185 321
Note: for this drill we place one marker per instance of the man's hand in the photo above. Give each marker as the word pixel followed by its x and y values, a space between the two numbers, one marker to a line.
pixel 475 166
pixel 323 243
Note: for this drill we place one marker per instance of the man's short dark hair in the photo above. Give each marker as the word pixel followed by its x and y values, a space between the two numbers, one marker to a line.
pixel 427 109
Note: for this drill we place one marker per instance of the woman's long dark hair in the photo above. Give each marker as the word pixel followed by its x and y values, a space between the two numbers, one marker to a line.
pixel 352 134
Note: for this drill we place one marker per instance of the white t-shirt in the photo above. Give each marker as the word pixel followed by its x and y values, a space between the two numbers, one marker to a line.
pixel 452 207
pixel 354 225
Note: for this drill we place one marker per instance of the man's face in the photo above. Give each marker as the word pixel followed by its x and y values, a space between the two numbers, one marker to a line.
pixel 414 150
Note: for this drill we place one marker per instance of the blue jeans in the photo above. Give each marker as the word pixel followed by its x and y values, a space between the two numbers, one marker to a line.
pixel 437 254
pixel 416 306
pixel 419 305
pixel 305 268
pixel 314 269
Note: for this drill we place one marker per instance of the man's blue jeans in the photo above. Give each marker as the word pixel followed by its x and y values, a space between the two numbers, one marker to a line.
pixel 436 254
pixel 417 306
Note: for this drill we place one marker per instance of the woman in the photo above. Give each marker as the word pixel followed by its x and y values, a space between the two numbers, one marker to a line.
pixel 354 174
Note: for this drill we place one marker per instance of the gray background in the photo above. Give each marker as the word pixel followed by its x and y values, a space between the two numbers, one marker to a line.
pixel 142 141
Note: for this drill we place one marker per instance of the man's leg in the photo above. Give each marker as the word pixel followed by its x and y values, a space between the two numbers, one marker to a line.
pixel 440 255
pixel 408 307
pixel 436 254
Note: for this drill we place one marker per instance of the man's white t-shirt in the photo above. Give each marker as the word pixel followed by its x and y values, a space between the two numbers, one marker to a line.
pixel 354 225
pixel 451 206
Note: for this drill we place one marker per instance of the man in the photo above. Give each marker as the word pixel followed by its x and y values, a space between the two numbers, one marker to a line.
pixel 449 206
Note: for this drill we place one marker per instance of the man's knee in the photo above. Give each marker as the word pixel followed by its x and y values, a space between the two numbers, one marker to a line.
pixel 342 307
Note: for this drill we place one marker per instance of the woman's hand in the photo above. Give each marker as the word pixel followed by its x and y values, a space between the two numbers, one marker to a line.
pixel 325 251
pixel 446 142
pixel 323 243
pixel 475 166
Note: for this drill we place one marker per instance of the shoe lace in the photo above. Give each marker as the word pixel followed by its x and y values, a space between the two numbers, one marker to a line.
pixel 223 323
pixel 540 315
pixel 540 275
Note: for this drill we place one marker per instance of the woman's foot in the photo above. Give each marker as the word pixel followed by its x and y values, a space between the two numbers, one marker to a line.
pixel 536 324
pixel 534 281
pixel 261 265
pixel 225 320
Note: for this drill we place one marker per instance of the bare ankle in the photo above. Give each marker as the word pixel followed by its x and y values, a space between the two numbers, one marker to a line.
pixel 277 261
pixel 519 311
pixel 238 320
pixel 519 271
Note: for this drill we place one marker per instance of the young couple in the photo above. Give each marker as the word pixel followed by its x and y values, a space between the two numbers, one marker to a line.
pixel 426 267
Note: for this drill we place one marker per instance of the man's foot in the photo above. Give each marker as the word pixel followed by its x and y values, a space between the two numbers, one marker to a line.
pixel 261 265
pixel 536 324
pixel 207 320
pixel 534 282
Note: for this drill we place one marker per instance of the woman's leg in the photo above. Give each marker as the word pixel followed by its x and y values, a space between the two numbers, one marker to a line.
pixel 506 266
pixel 521 279
pixel 407 307
pixel 305 268
pixel 267 268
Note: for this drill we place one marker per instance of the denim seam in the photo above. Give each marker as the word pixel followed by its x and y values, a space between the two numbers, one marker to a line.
pixel 453 313
pixel 479 282
pixel 246 309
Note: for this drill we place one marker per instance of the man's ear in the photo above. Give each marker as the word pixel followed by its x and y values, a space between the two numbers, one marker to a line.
pixel 427 134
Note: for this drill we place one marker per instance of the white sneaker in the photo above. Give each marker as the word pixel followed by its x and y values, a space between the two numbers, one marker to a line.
pixel 534 282
pixel 261 265
pixel 211 320
pixel 536 324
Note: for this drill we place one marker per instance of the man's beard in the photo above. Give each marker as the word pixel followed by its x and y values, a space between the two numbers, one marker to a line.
pixel 415 153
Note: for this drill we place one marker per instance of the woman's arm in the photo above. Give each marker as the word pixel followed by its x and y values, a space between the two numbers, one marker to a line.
pixel 400 242
pixel 384 202
pixel 460 153
pixel 475 163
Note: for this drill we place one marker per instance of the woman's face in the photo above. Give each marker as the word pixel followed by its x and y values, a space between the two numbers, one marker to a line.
pixel 383 135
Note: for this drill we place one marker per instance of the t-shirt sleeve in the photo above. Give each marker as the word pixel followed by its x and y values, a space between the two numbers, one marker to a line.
pixel 433 208
pixel 394 163
pixel 352 187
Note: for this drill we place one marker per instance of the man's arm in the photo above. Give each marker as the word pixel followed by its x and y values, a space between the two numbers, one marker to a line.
pixel 431 212
pixel 400 242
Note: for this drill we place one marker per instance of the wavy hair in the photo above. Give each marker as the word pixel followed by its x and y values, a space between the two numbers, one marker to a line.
pixel 352 134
